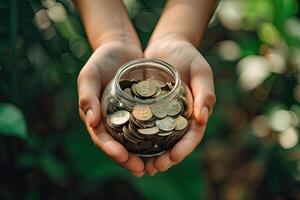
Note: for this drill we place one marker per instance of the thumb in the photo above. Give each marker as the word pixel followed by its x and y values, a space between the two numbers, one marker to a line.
pixel 203 90
pixel 89 86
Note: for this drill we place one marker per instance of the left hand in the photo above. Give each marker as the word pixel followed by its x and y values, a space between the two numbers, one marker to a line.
pixel 198 75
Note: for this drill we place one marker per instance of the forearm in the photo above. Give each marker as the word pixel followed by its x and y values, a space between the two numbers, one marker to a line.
pixel 106 20
pixel 186 19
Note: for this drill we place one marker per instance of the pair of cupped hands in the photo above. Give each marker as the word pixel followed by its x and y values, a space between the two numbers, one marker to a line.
pixel 101 68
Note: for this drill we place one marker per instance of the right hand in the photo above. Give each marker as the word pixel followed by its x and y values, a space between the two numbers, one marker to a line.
pixel 97 72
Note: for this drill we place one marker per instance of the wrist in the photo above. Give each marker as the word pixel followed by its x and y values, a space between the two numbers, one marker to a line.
pixel 171 36
pixel 123 38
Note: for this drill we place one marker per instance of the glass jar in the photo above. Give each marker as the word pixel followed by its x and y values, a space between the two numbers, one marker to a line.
pixel 146 107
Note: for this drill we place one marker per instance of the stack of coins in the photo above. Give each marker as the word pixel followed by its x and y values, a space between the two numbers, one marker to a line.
pixel 149 129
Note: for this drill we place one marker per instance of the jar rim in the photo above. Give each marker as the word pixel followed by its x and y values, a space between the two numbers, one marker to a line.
pixel 149 62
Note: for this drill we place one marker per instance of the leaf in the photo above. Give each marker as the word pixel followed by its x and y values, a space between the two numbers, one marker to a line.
pixel 12 121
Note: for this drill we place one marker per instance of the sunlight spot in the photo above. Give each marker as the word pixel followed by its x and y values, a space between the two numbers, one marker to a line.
pixel 49 33
pixel 252 70
pixel 277 62
pixel 57 12
pixel 78 47
pixel 281 120
pixel 48 3
pixel 260 126
pixel 288 138
pixel 229 50
pixel 41 19
pixel 230 15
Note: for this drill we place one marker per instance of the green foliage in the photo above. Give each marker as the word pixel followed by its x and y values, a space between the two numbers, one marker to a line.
pixel 12 121
pixel 251 147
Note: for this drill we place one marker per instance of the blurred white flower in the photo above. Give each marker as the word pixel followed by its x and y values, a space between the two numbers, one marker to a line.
pixel 229 50
pixel 277 62
pixel 281 120
pixel 230 14
pixel 288 138
pixel 57 12
pixel 252 71
pixel 41 19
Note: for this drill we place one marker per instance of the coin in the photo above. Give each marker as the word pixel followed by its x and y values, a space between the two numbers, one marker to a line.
pixel 166 124
pixel 163 92
pixel 159 111
pixel 142 112
pixel 128 91
pixel 181 123
pixel 149 131
pixel 173 108
pixel 159 83
pixel 119 118
pixel 146 88
pixel 165 133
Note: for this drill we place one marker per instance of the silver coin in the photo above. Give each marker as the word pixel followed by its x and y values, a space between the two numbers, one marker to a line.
pixel 166 124
pixel 146 88
pixel 128 91
pixel 149 131
pixel 159 111
pixel 159 83
pixel 119 118
pixel 165 133
pixel 181 123
pixel 173 108
pixel 163 92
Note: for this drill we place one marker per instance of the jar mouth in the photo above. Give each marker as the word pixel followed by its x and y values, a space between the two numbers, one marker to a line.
pixel 144 62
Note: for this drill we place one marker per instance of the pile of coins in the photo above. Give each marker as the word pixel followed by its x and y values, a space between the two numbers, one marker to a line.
pixel 148 129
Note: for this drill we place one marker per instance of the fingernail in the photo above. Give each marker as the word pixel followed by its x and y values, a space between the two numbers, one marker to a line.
pixel 204 114
pixel 153 173
pixel 89 116
pixel 138 174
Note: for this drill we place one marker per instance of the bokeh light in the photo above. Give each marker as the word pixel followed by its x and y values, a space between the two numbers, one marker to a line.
pixel 288 138
pixel 252 71
pixel 57 12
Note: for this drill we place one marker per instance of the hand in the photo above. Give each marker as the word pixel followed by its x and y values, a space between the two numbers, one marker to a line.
pixel 97 72
pixel 197 74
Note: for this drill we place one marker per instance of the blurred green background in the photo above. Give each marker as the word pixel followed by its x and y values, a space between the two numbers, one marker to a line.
pixel 251 148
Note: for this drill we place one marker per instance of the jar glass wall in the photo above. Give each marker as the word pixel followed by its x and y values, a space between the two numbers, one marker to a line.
pixel 146 107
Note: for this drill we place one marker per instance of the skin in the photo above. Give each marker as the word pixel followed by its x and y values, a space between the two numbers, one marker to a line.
pixel 115 42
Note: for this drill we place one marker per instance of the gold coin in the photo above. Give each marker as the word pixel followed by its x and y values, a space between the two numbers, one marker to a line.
pixel 181 123
pixel 149 131
pixel 142 112
pixel 146 88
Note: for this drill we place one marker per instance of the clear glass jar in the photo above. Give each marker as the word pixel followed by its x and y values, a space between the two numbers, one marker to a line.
pixel 147 126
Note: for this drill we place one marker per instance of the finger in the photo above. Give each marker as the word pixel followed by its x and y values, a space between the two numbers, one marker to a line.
pixel 182 149
pixel 108 145
pixel 149 167
pixel 188 143
pixel 138 174
pixel 89 86
pixel 202 88
pixel 134 164
pixel 164 162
